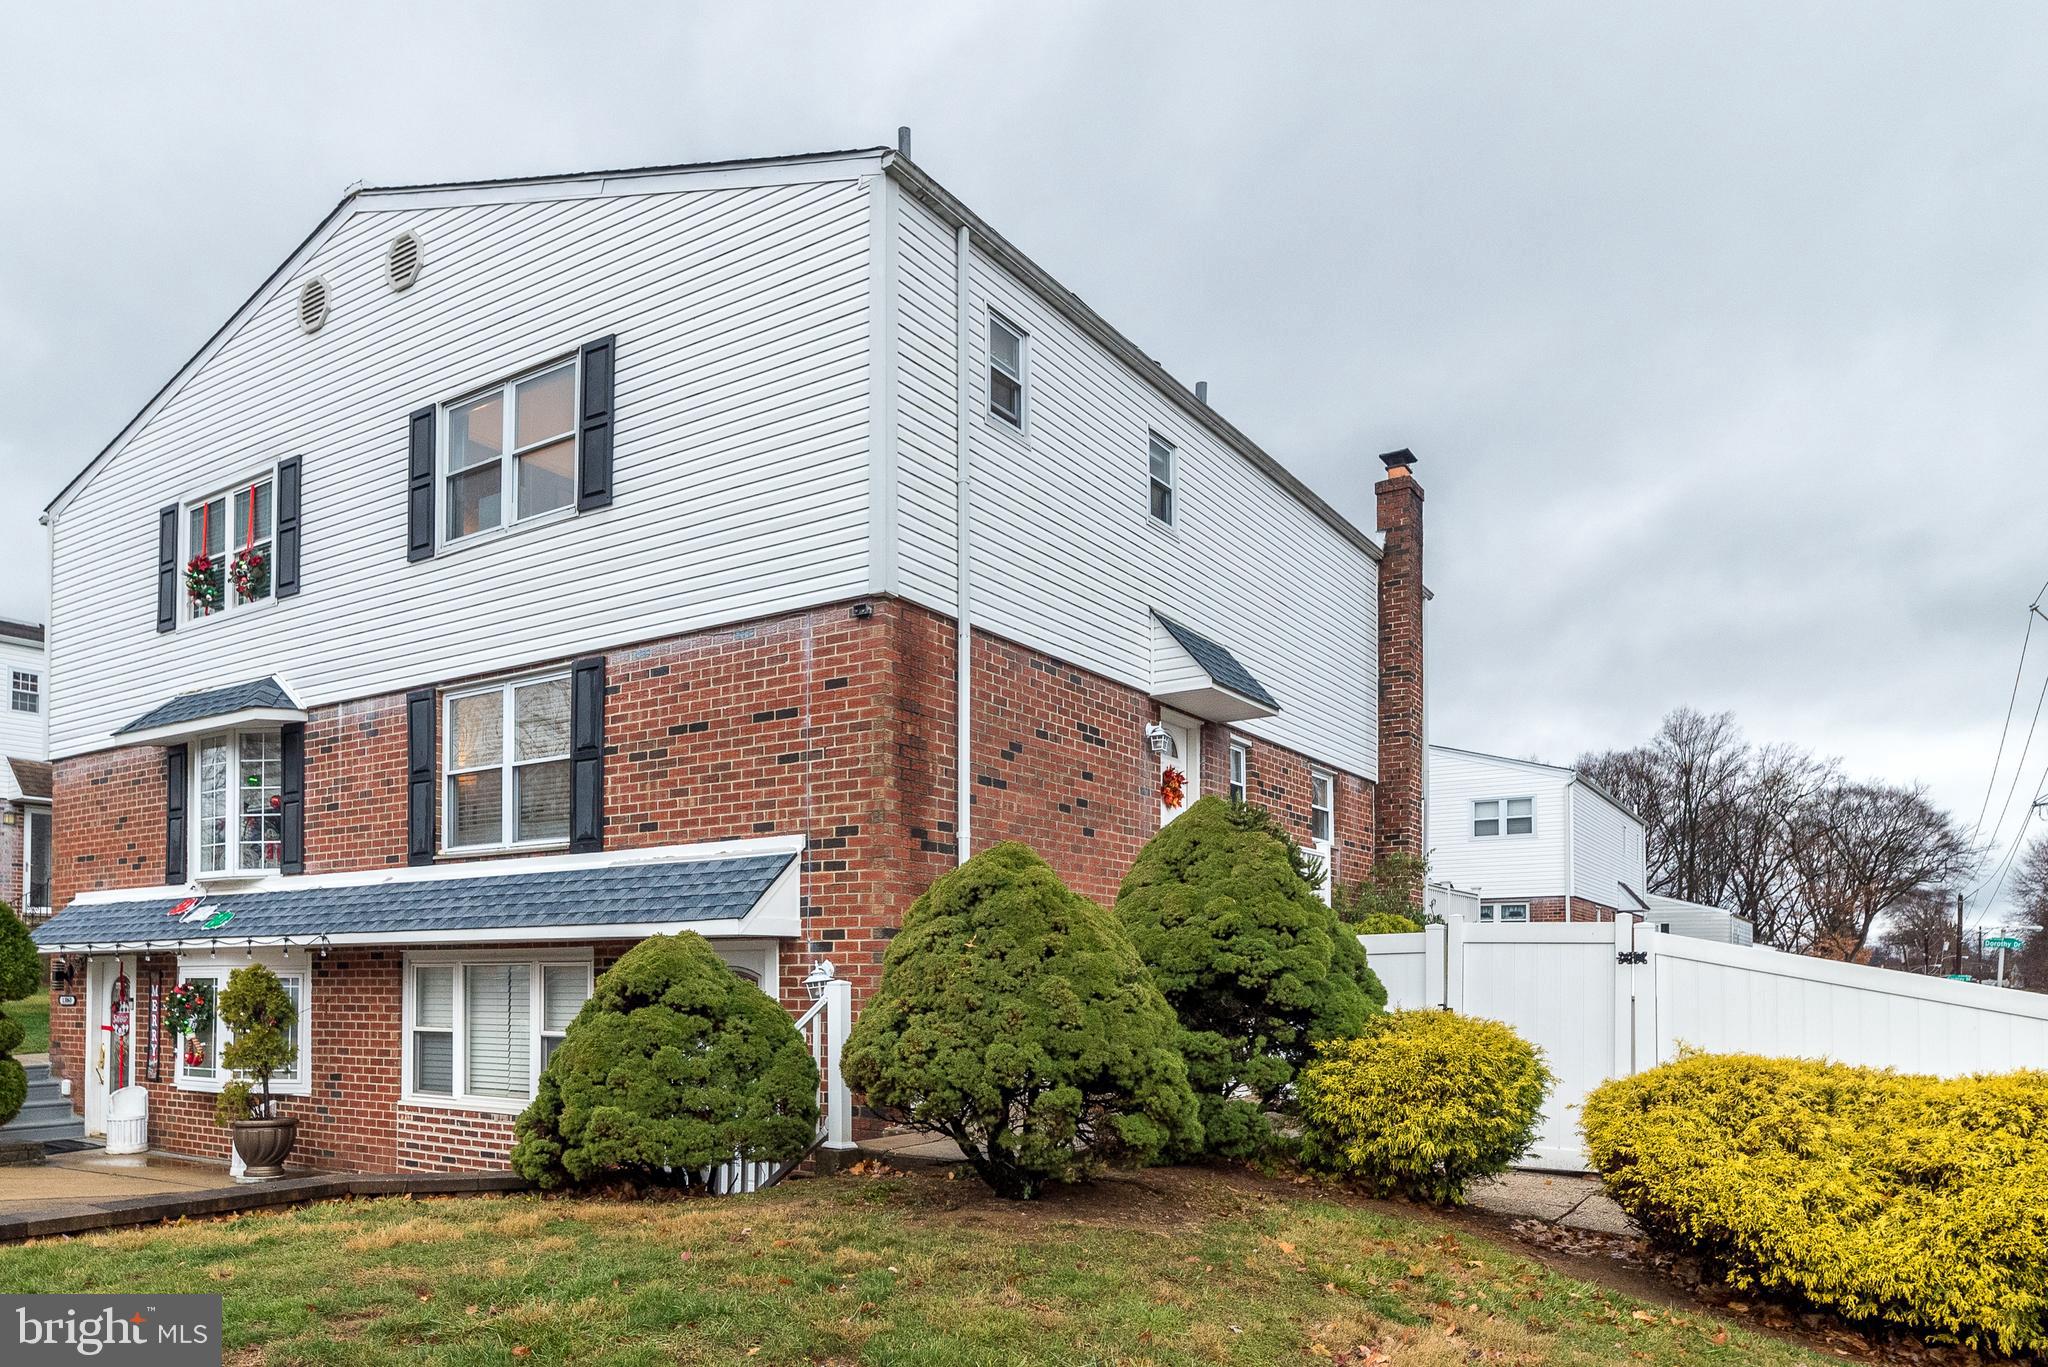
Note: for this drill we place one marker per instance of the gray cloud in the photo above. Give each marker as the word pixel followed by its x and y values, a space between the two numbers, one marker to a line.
pixel 1719 330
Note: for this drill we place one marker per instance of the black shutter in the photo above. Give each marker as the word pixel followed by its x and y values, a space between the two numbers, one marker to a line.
pixel 286 579
pixel 419 502
pixel 594 428
pixel 419 777
pixel 291 797
pixel 167 569
pixel 174 814
pixel 586 756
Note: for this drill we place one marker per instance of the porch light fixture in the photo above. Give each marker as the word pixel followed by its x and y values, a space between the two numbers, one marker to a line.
pixel 1160 740
pixel 821 973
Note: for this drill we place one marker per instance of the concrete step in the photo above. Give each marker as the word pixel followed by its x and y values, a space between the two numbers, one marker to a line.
pixel 43 1112
pixel 41 1134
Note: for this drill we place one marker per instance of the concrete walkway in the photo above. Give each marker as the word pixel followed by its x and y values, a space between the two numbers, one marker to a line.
pixel 1567 1200
pixel 95 1175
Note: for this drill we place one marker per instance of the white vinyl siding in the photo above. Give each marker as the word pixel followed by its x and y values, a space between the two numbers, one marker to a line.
pixel 1607 847
pixel 740 447
pixel 1063 561
pixel 21 733
pixel 480 1025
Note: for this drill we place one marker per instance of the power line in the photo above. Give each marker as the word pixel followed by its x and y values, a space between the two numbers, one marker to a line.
pixel 2006 729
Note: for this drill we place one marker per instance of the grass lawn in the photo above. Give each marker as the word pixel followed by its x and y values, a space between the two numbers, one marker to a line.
pixel 34 1015
pixel 1180 1266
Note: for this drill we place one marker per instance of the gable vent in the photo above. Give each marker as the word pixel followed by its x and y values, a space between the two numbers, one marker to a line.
pixel 313 305
pixel 402 261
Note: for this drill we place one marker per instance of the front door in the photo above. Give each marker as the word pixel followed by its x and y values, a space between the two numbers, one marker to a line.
pixel 109 1035
pixel 1180 765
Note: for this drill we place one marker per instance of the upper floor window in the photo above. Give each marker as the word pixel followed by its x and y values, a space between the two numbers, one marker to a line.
pixel 237 786
pixel 1162 479
pixel 1504 816
pixel 511 452
pixel 25 691
pixel 228 548
pixel 1006 370
pixel 507 764
pixel 1240 762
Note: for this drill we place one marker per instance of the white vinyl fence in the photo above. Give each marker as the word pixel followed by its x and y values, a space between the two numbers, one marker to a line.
pixel 1609 999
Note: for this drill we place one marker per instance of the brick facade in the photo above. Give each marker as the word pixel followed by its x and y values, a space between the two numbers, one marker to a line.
pixel 1552 908
pixel 13 846
pixel 835 724
pixel 1401 599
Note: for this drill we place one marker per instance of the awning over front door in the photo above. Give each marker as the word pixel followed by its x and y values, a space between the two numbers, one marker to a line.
pixel 744 888
pixel 1201 677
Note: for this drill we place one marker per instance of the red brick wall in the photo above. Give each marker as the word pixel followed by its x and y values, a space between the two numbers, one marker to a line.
pixel 1277 779
pixel 1552 908
pixel 13 842
pixel 1401 732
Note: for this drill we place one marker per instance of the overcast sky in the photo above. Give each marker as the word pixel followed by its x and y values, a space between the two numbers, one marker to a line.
pixel 1721 331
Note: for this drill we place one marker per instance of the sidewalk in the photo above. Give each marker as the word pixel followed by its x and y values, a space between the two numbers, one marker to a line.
pixel 95 1175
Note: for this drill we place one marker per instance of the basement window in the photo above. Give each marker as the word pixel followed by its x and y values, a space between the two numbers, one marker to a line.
pixel 1007 345
pixel 1513 912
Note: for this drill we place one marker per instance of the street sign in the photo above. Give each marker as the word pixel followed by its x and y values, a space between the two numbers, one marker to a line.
pixel 2002 942
pixel 1959 977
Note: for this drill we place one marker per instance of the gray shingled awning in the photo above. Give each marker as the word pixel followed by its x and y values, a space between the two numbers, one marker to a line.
pixel 1200 676
pixel 730 893
pixel 262 699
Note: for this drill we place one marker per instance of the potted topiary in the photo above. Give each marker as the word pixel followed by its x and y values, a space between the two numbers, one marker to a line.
pixel 255 1006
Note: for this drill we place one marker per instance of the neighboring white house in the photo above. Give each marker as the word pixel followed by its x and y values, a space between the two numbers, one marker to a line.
pixel 1536 842
pixel 24 769
pixel 1697 921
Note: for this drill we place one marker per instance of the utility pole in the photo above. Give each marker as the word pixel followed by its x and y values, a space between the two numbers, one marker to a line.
pixel 1959 932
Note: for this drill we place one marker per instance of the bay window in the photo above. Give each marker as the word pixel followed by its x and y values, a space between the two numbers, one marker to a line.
pixel 480 1028
pixel 237 783
pixel 507 764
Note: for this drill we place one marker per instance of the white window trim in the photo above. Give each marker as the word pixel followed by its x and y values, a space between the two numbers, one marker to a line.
pixel 1239 785
pixel 538 961
pixel 194 774
pixel 507 790
pixel 188 615
pixel 1502 802
pixel 1172 482
pixel 1490 913
pixel 29 816
pixel 509 520
pixel 1320 780
pixel 1021 428
pixel 32 690
pixel 223 967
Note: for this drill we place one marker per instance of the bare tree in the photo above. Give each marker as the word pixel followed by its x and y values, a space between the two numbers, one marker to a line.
pixel 1921 932
pixel 1858 850
pixel 1759 883
pixel 1682 784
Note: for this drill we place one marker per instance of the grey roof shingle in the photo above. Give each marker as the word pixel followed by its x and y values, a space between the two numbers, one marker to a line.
pixel 1221 665
pixel 32 776
pixel 666 892
pixel 212 702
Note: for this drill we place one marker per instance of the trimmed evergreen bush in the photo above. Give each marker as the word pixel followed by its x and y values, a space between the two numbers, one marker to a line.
pixel 21 974
pixel 1386 923
pixel 1423 1102
pixel 255 1006
pixel 1917 1200
pixel 674 1065
pixel 1015 1018
pixel 1256 967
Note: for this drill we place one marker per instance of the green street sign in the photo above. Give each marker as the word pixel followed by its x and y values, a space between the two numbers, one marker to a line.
pixel 1959 977
pixel 2001 942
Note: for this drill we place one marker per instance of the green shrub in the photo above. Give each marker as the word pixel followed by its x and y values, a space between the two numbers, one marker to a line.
pixel 1386 923
pixel 1015 1018
pixel 255 1006
pixel 1423 1102
pixel 1916 1200
pixel 1393 887
pixel 1255 966
pixel 674 1065
pixel 21 972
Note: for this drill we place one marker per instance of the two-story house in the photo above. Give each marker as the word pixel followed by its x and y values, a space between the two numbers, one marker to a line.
pixel 25 828
pixel 532 566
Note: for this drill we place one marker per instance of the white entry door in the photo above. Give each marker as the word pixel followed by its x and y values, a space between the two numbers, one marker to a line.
pixel 109 1035
pixel 1183 758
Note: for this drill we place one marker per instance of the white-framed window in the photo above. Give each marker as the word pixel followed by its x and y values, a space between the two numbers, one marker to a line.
pixel 237 805
pixel 480 1026
pixel 1497 816
pixel 234 528
pixel 25 691
pixel 509 451
pixel 35 873
pixel 1240 767
pixel 207 1074
pixel 1008 369
pixel 1510 912
pixel 1162 475
pixel 1322 825
pixel 506 764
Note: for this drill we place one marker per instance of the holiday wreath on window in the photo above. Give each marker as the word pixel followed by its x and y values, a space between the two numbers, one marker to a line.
pixel 188 1011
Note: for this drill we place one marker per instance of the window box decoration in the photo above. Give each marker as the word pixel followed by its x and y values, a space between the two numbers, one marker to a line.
pixel 1173 788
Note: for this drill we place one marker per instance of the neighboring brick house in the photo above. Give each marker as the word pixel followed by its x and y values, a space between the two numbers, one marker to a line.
pixel 24 771
pixel 1534 842
pixel 582 561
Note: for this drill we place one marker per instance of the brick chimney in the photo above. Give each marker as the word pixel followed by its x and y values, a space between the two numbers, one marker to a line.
pixel 1397 804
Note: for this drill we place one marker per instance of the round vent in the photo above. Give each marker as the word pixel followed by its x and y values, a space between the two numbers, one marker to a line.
pixel 313 305
pixel 402 261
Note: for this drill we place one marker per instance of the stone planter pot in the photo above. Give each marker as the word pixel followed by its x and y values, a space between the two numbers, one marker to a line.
pixel 264 1144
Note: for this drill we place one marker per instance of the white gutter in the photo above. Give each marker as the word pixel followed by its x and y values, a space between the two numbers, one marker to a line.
pixel 963 559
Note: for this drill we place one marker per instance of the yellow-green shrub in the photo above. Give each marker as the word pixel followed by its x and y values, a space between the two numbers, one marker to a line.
pixel 1917 1200
pixel 1423 1102
pixel 1386 923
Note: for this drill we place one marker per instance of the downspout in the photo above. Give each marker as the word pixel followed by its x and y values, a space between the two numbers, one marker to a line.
pixel 963 560
pixel 1571 865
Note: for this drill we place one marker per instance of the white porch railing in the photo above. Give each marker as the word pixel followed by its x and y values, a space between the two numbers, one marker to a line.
pixel 824 1029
